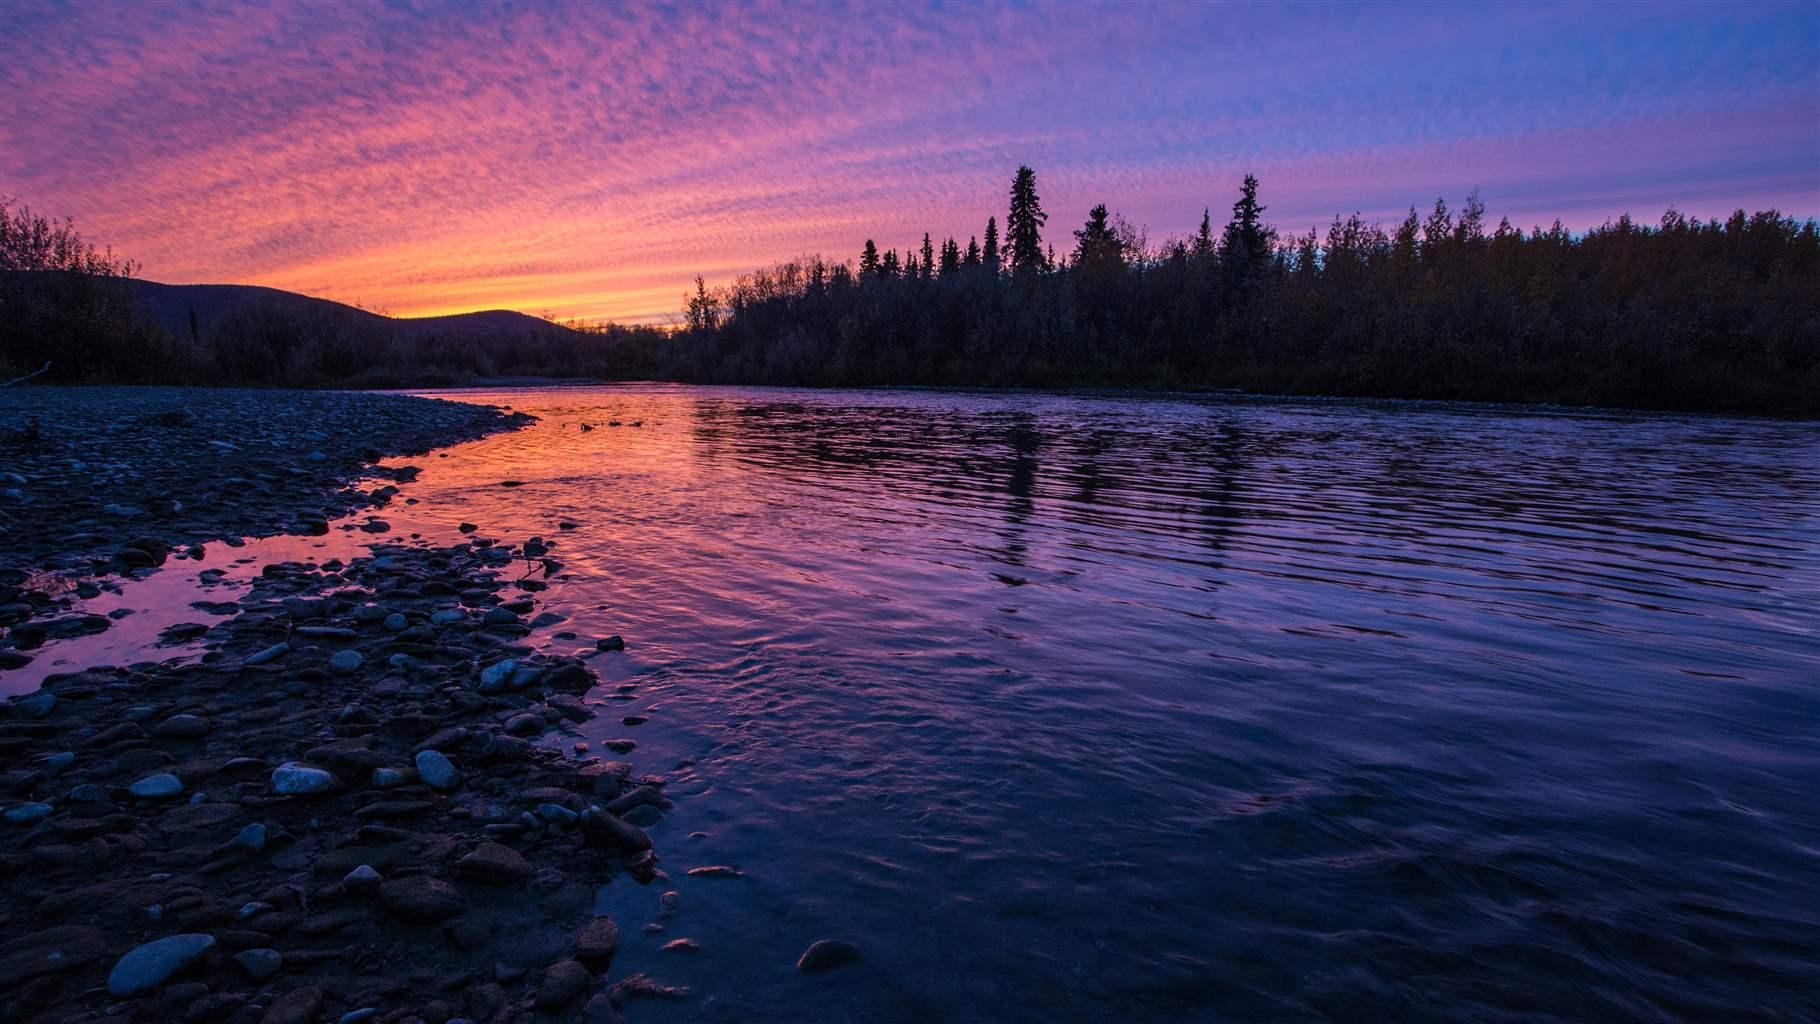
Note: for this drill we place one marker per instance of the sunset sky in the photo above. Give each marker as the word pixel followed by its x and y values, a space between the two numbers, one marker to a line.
pixel 589 160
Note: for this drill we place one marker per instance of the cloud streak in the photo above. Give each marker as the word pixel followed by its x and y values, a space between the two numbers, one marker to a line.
pixel 588 160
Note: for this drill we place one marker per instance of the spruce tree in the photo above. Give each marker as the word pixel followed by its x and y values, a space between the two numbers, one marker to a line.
pixel 1024 223
pixel 972 258
pixel 1248 242
pixel 1203 239
pixel 928 256
pixel 990 253
pixel 868 260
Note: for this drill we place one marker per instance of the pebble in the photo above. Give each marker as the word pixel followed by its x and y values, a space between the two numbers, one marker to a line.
pixel 277 650
pixel 181 727
pixel 826 955
pixel 260 964
pixel 157 787
pixel 386 778
pixel 421 900
pixel 396 623
pixel 251 837
pixel 494 864
pixel 362 879
pixel 37 705
pixel 562 982
pixel 27 814
pixel 597 943
pixel 611 643
pixel 293 779
pixel 437 771
pixel 298 1006
pixel 346 662
pixel 148 966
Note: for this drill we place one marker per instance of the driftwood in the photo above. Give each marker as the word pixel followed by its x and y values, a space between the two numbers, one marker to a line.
pixel 35 373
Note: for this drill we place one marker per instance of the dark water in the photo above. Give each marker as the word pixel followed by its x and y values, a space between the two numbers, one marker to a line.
pixel 1153 710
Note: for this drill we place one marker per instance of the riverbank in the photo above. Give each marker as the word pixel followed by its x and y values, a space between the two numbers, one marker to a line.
pixel 353 806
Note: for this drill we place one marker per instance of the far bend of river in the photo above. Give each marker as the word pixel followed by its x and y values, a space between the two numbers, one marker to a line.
pixel 1167 709
pixel 1154 709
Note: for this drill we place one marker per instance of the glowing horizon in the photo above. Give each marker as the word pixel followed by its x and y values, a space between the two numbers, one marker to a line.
pixel 588 162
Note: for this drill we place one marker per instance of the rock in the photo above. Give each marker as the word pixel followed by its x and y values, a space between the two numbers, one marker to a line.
pixel 524 724
pixel 298 1006
pixel 437 771
pixel 562 982
pixel 826 955
pixel 421 900
pixel 345 662
pixel 37 705
pixel 360 1016
pixel 467 527
pixel 148 966
pixel 597 943
pixel 260 964
pixel 499 617
pixel 716 871
pixel 600 1010
pixel 494 864
pixel 611 643
pixel 58 763
pixel 161 786
pixel 611 834
pixel 271 653
pixel 681 946
pixel 251 837
pixel 26 954
pixel 181 727
pixel 27 814
pixel 361 879
pixel 294 779
pixel 182 631
pixel 386 778
pixel 494 677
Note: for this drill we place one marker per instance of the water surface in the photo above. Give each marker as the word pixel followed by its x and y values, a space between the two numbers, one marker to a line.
pixel 1090 708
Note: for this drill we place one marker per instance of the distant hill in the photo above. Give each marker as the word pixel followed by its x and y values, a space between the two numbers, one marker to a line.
pixel 170 307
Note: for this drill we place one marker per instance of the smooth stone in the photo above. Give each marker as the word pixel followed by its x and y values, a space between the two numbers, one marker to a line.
pixel 826 955
pixel 345 662
pixel 277 650
pixel 260 964
pixel 252 837
pixel 436 770
pixel 181 727
pixel 494 676
pixel 597 943
pixel 293 779
pixel 611 643
pixel 386 778
pixel 562 982
pixel 494 864
pixel 148 966
pixel 37 705
pixel 157 787
pixel 361 879
pixel 365 1013
pixel 610 833
pixel 57 764
pixel 557 813
pixel 395 623
pixel 298 1006
pixel 26 814
pixel 447 616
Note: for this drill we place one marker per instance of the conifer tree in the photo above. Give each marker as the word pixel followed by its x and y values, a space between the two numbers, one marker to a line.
pixel 990 253
pixel 1203 239
pixel 972 258
pixel 1024 224
pixel 1248 242
pixel 868 260
pixel 928 256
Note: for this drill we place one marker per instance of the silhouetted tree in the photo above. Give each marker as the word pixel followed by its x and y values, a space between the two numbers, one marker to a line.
pixel 1249 242
pixel 1024 224
pixel 972 259
pixel 928 256
pixel 868 260
pixel 990 253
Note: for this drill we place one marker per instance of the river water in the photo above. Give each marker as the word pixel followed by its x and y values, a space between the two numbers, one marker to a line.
pixel 1100 708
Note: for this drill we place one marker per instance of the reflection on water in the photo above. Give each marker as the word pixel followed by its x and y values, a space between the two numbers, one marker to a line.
pixel 1107 709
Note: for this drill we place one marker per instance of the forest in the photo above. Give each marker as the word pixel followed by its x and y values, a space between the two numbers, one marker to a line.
pixel 1683 313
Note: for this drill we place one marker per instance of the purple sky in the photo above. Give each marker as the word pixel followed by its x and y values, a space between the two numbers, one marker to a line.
pixel 590 160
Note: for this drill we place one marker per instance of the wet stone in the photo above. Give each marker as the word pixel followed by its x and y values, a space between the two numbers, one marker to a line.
pixel 826 955
pixel 294 779
pixel 181 727
pixel 161 786
pixel 437 771
pixel 597 943
pixel 260 964
pixel 150 965
pixel 421 900
pixel 562 982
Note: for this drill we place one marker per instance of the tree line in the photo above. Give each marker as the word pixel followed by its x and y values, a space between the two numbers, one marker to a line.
pixel 1719 315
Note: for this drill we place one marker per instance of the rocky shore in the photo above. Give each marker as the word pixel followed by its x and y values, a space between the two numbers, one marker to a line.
pixel 358 805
